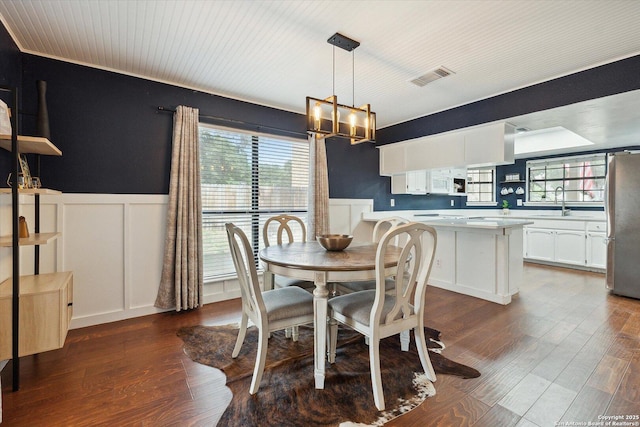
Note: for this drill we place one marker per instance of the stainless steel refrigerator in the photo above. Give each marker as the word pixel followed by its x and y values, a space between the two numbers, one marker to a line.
pixel 623 224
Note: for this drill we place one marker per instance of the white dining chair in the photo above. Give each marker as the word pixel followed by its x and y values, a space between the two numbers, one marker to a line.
pixel 281 229
pixel 381 313
pixel 380 228
pixel 271 310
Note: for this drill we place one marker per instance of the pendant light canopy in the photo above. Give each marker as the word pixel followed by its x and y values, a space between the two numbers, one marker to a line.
pixel 327 118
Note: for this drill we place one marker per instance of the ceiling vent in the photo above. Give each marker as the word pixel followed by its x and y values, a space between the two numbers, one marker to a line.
pixel 431 76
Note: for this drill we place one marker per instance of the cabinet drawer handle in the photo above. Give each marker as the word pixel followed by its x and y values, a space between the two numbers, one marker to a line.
pixel 69 304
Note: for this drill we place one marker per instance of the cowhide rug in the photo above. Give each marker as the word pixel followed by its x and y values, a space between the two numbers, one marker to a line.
pixel 287 395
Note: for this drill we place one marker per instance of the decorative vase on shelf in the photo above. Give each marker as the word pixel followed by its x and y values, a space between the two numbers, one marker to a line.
pixel 23 229
pixel 42 117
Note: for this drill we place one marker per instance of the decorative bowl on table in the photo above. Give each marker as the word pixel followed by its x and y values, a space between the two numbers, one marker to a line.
pixel 334 242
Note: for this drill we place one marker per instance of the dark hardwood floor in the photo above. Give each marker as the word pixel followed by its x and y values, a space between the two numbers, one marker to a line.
pixel 564 349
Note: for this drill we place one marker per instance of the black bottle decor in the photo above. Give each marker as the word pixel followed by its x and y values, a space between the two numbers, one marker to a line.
pixel 42 118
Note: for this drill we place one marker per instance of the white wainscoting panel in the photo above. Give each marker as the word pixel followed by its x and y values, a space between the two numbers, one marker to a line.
pixel 114 245
pixel 119 279
pixel 345 217
pixel 146 246
pixel 94 250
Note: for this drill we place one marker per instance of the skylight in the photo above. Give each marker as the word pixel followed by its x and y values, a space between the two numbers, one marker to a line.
pixel 555 138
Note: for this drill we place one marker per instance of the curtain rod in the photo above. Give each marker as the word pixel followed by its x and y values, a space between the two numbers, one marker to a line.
pixel 239 122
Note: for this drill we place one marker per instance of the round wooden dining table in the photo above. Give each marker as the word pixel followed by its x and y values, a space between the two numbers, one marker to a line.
pixel 310 261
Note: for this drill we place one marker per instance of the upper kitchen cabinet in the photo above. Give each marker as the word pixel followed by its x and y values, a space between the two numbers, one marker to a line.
pixel 489 145
pixel 392 159
pixel 484 145
pixel 435 152
pixel 428 152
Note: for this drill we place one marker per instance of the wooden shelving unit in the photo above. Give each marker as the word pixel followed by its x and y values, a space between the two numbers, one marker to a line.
pixel 33 239
pixel 31 145
pixel 35 310
pixel 46 307
pixel 31 191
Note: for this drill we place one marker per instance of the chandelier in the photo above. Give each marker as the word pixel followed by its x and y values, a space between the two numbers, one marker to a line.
pixel 327 118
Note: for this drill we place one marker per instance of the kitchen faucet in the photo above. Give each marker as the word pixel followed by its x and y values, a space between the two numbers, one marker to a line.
pixel 565 211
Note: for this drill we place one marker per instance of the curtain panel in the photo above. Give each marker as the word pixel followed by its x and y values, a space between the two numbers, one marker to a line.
pixel 181 284
pixel 318 220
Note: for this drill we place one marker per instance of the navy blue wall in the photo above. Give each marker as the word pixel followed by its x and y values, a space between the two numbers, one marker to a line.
pixel 108 127
pixel 10 69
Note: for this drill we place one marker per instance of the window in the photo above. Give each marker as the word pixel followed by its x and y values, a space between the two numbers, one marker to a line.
pixel 579 179
pixel 245 180
pixel 481 187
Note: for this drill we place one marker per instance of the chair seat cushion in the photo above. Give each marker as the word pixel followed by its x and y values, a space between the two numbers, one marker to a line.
pixel 367 285
pixel 285 282
pixel 358 305
pixel 287 303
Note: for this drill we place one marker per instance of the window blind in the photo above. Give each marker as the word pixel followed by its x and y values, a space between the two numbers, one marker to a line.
pixel 245 179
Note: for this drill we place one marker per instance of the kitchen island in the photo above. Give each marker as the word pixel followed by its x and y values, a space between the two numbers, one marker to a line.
pixel 475 256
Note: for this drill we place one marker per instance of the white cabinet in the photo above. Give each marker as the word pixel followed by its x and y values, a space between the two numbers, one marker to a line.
pixel 570 247
pixel 434 152
pixel 482 262
pixel 562 246
pixel 392 159
pixel 399 183
pixel 596 249
pixel 596 244
pixel 415 182
pixel 489 145
pixel 422 182
pixel 567 242
pixel 540 244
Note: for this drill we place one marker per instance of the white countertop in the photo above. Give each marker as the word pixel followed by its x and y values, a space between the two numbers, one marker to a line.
pixel 573 216
pixel 484 218
pixel 492 224
pixel 491 214
pixel 451 221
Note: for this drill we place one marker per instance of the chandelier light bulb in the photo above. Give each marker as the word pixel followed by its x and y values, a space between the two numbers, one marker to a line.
pixel 352 123
pixel 317 114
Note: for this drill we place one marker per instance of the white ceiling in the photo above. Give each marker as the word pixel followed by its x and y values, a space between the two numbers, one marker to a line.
pixel 275 53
